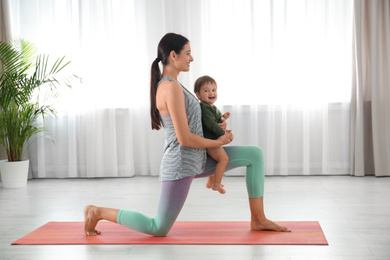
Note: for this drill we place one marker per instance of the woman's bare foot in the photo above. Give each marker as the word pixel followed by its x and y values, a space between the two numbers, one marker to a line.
pixel 90 220
pixel 210 182
pixel 267 225
pixel 219 187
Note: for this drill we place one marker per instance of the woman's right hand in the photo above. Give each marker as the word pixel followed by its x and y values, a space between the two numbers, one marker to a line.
pixel 226 138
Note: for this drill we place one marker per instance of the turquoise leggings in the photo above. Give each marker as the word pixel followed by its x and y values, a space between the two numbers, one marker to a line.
pixel 174 193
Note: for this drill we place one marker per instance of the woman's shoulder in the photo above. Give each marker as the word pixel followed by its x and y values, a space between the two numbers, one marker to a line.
pixel 169 82
pixel 170 86
pixel 170 90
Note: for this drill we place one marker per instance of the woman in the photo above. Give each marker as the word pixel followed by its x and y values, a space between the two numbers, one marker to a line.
pixel 178 111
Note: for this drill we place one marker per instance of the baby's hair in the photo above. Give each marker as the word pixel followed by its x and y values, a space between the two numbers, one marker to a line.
pixel 201 81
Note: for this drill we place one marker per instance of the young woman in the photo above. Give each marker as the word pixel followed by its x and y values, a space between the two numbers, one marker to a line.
pixel 175 109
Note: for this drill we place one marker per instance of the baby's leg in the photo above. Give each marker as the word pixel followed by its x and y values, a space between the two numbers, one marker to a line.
pixel 222 159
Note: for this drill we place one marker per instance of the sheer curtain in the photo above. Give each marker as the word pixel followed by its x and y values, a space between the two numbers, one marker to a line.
pixel 3 37
pixel 370 124
pixel 283 70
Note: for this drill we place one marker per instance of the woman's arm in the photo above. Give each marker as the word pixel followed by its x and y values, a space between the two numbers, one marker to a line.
pixel 173 95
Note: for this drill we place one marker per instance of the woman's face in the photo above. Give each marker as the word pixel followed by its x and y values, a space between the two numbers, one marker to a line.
pixel 183 60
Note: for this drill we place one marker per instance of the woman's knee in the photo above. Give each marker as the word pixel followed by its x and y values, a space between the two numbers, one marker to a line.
pixel 161 232
pixel 255 153
pixel 256 149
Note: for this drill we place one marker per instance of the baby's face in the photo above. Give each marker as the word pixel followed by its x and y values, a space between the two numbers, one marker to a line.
pixel 208 93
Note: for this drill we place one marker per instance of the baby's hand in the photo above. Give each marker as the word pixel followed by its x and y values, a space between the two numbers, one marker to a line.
pixel 223 124
pixel 226 115
pixel 226 138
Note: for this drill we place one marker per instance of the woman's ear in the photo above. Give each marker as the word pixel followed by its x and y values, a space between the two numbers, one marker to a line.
pixel 172 55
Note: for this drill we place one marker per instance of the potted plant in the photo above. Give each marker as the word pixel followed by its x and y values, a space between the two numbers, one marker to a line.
pixel 25 76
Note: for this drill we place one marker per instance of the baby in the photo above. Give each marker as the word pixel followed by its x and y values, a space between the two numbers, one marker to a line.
pixel 206 90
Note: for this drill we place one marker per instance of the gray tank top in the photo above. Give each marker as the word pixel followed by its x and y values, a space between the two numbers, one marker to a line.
pixel 179 161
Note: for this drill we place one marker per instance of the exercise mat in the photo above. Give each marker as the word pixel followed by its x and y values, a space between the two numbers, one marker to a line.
pixel 182 233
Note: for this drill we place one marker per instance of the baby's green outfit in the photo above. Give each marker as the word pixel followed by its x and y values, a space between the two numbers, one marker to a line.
pixel 211 116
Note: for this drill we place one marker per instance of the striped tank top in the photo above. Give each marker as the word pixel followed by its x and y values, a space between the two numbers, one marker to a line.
pixel 179 161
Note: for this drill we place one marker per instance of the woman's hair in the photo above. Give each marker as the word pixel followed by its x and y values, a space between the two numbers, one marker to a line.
pixel 201 81
pixel 170 42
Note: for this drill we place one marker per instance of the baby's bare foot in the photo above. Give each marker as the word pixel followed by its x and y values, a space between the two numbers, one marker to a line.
pixel 219 187
pixel 210 182
pixel 267 225
pixel 90 221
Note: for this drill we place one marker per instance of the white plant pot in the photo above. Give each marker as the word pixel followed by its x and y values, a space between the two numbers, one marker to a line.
pixel 14 174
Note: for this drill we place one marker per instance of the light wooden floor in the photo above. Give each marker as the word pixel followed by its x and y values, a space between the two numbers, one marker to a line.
pixel 354 214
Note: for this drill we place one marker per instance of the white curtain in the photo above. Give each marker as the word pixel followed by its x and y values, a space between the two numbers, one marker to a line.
pixel 370 124
pixel 3 37
pixel 283 70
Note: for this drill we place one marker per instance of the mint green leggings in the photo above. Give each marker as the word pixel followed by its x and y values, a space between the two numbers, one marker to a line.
pixel 174 193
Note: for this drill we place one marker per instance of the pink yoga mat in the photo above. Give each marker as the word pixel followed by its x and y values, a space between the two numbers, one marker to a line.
pixel 182 233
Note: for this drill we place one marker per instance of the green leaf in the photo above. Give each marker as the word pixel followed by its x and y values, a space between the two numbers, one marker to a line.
pixel 23 74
